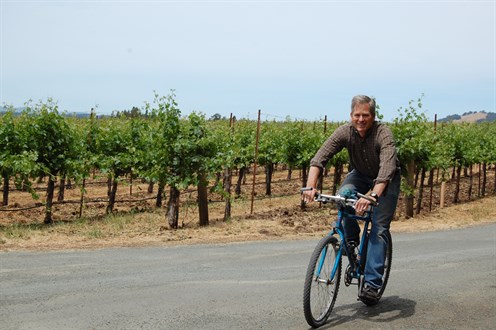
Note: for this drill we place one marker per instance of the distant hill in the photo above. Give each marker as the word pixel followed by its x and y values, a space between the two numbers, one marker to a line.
pixel 18 111
pixel 470 117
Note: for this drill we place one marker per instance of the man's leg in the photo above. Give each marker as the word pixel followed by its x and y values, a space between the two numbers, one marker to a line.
pixel 353 182
pixel 376 251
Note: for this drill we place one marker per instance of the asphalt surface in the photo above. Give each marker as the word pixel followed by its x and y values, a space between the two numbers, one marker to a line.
pixel 439 280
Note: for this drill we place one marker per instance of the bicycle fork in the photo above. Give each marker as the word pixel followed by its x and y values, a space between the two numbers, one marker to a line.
pixel 332 276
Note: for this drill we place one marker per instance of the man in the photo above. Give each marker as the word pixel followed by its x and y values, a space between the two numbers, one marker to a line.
pixel 374 171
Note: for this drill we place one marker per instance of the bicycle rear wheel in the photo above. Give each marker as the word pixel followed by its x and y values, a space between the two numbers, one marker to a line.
pixel 385 275
pixel 387 264
pixel 320 290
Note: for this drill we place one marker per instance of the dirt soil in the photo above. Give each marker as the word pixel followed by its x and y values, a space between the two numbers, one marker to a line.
pixel 140 224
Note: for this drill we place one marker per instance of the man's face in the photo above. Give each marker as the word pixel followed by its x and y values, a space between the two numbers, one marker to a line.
pixel 361 118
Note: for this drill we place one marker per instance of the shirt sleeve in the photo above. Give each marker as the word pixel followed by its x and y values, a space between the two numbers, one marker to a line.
pixel 334 144
pixel 388 160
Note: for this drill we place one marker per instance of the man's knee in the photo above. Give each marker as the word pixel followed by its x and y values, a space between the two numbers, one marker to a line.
pixel 347 190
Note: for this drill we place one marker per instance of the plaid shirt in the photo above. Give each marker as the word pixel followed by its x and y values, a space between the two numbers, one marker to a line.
pixel 374 156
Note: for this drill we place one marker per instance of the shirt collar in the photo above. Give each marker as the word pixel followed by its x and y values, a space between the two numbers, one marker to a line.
pixel 369 132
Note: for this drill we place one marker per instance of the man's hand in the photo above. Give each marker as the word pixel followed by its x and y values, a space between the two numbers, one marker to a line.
pixel 361 206
pixel 308 195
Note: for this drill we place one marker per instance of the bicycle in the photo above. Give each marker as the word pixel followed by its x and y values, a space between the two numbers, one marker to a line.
pixel 324 270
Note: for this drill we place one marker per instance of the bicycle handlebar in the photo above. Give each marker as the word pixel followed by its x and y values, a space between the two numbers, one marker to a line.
pixel 339 199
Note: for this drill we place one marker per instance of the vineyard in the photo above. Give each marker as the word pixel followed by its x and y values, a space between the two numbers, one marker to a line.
pixel 57 168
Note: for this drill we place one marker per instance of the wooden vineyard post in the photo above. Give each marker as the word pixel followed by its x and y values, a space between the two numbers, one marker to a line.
pixel 255 163
pixel 443 192
pixel 431 172
pixel 431 186
pixel 409 196
pixel 323 173
pixel 88 141
pixel 228 176
pixel 81 200
pixel 479 187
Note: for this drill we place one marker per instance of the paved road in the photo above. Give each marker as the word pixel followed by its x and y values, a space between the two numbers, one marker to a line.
pixel 439 280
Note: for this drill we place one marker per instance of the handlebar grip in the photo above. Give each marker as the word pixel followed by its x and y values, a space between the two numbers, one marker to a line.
pixel 372 200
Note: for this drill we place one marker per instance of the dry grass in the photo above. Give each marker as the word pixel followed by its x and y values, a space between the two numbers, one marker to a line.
pixel 477 212
pixel 141 224
pixel 274 220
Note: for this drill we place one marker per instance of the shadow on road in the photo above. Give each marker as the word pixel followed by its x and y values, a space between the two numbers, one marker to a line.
pixel 389 309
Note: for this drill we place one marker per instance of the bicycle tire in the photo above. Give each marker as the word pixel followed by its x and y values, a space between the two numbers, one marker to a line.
pixel 387 271
pixel 319 296
pixel 387 264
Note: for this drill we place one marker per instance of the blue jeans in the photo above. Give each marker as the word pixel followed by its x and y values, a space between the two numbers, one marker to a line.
pixel 381 220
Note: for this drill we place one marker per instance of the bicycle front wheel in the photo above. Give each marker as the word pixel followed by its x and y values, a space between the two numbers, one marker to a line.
pixel 322 282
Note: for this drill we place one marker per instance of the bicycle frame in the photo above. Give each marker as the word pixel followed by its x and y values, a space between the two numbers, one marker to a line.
pixel 357 265
pixel 342 203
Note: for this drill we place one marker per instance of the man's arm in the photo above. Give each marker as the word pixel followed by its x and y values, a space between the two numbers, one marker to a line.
pixel 313 178
pixel 362 204
pixel 388 159
pixel 379 188
pixel 334 144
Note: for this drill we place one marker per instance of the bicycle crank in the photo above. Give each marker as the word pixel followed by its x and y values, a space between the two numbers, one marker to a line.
pixel 349 276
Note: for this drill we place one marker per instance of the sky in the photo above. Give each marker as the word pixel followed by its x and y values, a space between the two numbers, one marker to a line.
pixel 289 59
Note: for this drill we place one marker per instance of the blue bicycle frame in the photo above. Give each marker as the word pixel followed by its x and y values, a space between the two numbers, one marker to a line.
pixel 338 229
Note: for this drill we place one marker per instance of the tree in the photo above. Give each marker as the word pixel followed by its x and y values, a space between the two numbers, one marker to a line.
pixel 181 151
pixel 53 141
pixel 229 154
pixel 299 143
pixel 270 151
pixel 243 149
pixel 200 149
pixel 414 143
pixel 15 158
pixel 113 155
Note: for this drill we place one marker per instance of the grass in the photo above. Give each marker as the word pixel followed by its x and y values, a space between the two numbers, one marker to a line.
pixel 17 231
pixel 281 220
pixel 95 233
pixel 20 230
pixel 479 213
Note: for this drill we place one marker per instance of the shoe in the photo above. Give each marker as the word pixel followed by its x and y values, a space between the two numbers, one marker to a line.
pixel 369 295
pixel 351 247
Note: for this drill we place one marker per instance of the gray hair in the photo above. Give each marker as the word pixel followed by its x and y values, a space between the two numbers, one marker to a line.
pixel 364 99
